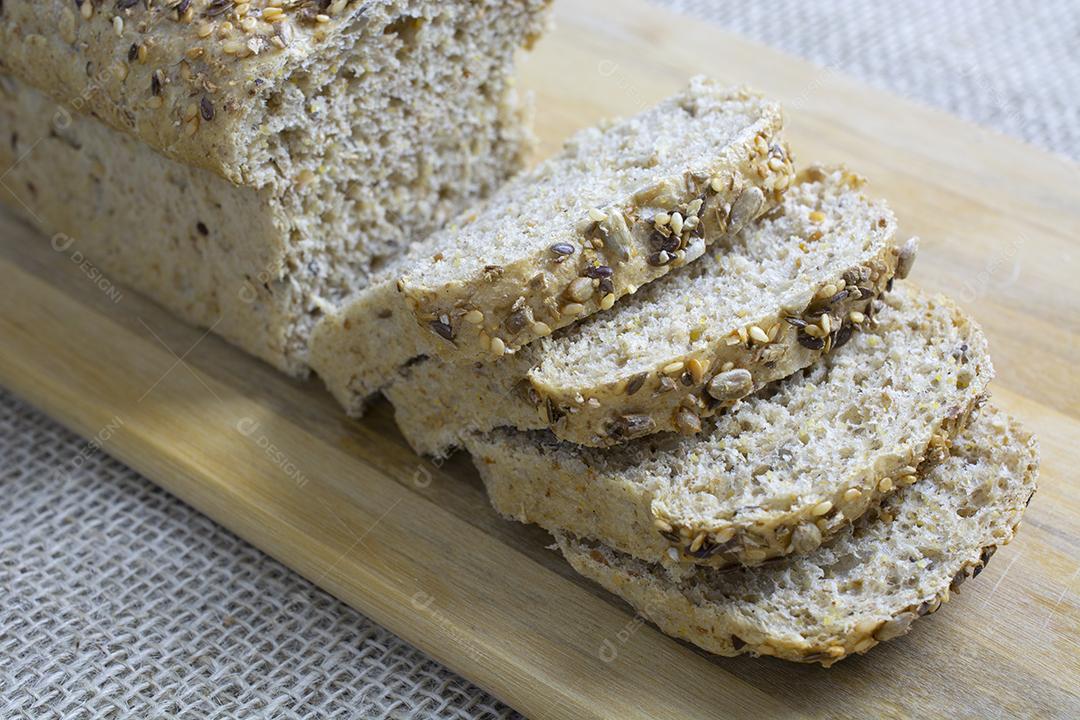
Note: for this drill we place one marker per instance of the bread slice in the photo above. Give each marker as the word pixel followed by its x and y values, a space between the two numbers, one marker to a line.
pixel 249 164
pixel 567 239
pixel 865 587
pixel 782 471
pixel 752 311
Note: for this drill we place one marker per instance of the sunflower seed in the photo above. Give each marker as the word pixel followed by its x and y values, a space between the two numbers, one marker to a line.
pixel 443 329
pixel 907 257
pixel 745 208
pixel 730 385
pixel 635 383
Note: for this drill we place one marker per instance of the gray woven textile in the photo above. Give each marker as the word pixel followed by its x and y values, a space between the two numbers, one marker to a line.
pixel 119 601
pixel 1010 65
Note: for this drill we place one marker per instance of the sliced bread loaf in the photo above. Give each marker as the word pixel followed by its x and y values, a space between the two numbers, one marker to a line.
pixel 757 307
pixel 780 472
pixel 865 587
pixel 620 206
pixel 249 164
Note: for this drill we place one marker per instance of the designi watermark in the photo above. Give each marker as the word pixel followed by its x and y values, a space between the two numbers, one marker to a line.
pixel 62 243
pixel 91 448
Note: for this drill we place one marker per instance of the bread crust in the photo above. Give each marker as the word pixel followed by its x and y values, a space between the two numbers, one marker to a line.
pixel 81 54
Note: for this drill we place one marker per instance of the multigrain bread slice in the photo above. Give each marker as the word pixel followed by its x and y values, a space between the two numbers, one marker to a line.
pixel 756 308
pixel 779 473
pixel 865 587
pixel 620 206
pixel 249 164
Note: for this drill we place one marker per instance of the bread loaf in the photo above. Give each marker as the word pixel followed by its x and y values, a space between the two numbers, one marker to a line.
pixel 566 240
pixel 250 164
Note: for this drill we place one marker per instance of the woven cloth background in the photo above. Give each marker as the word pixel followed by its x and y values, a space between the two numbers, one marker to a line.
pixel 1011 65
pixel 117 600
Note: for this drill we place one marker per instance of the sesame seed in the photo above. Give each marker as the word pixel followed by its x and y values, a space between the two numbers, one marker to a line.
pixel 661 219
pixel 676 223
pixel 607 301
pixel 541 329
pixel 673 554
pixel 826 291
pixel 498 347
pixel 580 290
pixel 716 184
pixel 821 508
pixel 864 644
pixel 885 485
pixel 817 216
pixel 852 494
pixel 597 215
pixel 757 334
pixel 699 540
pixel 573 309
pixel 908 480
pixel 722 536
pixel 687 422
pixel 672 368
pixel 474 317
pixel 826 324
pixel 697 372
pixel 856 317
pixel 118 26
pixel 755 555
pixel 662 525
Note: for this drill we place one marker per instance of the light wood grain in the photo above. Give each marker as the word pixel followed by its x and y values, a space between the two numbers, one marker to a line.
pixel 416 547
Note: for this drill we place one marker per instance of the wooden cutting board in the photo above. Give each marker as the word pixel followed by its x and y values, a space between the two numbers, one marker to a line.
pixel 415 546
